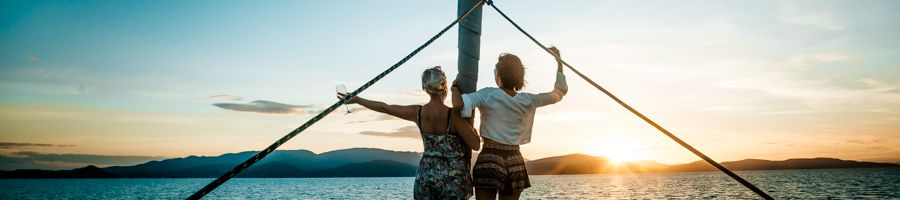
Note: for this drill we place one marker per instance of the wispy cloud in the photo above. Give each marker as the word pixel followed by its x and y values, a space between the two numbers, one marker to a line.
pixel 379 117
pixel 792 14
pixel 11 145
pixel 37 160
pixel 358 109
pixel 416 96
pixel 820 57
pixel 263 106
pixel 224 97
pixel 821 94
pixel 72 80
pixel 403 132
pixel 872 141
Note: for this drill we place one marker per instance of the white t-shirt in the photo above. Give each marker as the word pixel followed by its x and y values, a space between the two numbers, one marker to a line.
pixel 508 119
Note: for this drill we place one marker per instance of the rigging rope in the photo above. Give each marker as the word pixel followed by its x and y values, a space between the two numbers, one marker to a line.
pixel 237 169
pixel 657 126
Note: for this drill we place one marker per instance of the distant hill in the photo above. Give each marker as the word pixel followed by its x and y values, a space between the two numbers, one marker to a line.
pixel 356 162
pixel 570 164
pixel 368 162
pixel 376 168
pixel 585 164
pixel 214 166
pixel 795 163
pixel 85 172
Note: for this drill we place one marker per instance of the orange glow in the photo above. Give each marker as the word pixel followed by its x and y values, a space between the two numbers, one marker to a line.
pixel 617 149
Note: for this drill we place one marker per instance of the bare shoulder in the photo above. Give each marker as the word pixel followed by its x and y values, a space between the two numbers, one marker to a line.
pixel 407 112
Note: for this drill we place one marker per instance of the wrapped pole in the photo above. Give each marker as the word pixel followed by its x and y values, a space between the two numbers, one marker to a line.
pixel 469 45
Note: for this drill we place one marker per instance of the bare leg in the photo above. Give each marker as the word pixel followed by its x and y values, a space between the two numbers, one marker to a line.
pixel 513 196
pixel 485 193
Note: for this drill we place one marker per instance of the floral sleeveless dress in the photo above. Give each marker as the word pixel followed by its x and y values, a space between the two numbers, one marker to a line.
pixel 443 172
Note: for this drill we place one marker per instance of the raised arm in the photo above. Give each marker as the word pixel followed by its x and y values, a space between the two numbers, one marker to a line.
pixel 559 65
pixel 407 112
pixel 560 88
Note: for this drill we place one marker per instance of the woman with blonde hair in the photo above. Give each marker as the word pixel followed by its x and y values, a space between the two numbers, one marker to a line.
pixel 507 116
pixel 443 172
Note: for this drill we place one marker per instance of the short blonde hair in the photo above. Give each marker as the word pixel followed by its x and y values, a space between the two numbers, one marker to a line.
pixel 434 82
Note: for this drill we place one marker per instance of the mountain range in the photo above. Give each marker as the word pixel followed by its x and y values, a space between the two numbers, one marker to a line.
pixel 368 162
pixel 586 164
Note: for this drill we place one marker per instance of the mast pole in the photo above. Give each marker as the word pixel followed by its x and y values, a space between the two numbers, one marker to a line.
pixel 469 44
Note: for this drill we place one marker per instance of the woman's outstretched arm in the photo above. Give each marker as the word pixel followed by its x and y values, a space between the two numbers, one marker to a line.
pixel 465 130
pixel 407 112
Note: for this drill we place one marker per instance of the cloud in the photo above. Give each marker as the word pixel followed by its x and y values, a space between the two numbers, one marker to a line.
pixel 872 141
pixel 411 132
pixel 36 160
pixel 223 97
pixel 809 17
pixel 11 145
pixel 879 148
pixel 820 57
pixel 821 94
pixel 63 79
pixel 380 117
pixel 360 109
pixel 416 96
pixel 263 106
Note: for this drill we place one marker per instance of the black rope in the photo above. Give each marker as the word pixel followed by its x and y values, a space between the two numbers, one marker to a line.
pixel 237 169
pixel 657 126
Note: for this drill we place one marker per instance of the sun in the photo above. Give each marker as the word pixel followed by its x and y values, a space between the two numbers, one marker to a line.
pixel 617 150
pixel 620 156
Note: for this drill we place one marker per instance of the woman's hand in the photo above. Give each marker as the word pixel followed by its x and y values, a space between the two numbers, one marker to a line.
pixel 555 51
pixel 455 96
pixel 558 58
pixel 348 101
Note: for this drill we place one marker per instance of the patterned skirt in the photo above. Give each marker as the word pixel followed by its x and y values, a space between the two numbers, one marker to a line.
pixel 500 167
pixel 442 178
pixel 444 169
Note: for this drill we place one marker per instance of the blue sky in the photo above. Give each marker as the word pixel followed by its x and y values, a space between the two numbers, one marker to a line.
pixel 760 79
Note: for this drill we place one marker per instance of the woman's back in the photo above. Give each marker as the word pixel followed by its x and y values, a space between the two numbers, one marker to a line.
pixel 444 169
pixel 438 136
pixel 443 172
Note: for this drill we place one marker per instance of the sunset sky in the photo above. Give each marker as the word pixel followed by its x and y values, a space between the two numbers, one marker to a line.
pixel 123 82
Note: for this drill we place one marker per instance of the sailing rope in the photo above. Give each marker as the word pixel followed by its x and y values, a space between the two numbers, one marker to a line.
pixel 259 156
pixel 654 124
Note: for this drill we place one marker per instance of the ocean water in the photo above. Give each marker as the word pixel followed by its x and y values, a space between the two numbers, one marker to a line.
pixel 878 183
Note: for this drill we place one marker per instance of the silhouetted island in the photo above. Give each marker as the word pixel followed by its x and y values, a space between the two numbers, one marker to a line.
pixel 369 162
pixel 585 164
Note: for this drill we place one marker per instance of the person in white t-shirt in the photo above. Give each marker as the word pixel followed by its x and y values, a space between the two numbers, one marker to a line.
pixel 507 116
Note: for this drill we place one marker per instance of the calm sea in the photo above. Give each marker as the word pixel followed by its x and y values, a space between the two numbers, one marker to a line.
pixel 880 183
